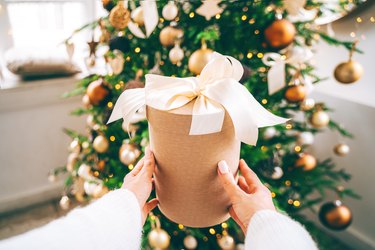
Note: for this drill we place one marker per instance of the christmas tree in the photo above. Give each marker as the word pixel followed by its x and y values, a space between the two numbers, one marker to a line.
pixel 274 40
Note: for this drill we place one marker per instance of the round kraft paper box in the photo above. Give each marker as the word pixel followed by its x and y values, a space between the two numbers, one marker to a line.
pixel 186 178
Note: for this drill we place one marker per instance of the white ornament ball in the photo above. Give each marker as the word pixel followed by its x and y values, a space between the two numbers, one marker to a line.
pixel 89 187
pixel 90 121
pixel 176 54
pixel 190 242
pixel 269 133
pixel 277 173
pixel 72 159
pixel 305 138
pixel 158 238
pixel 74 146
pixel 226 242
pixel 65 202
pixel 51 178
pixel 240 246
pixel 128 156
pixel 84 171
pixel 170 11
pixel 100 144
pixel 341 149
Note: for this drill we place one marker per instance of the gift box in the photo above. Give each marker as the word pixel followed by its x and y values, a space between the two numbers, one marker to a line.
pixel 194 123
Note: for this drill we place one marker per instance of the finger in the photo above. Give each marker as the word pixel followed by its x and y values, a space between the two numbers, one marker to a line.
pixel 243 185
pixel 149 163
pixel 149 206
pixel 236 219
pixel 138 167
pixel 250 177
pixel 227 180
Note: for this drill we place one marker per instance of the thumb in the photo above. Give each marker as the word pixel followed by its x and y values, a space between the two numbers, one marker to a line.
pixel 149 206
pixel 227 180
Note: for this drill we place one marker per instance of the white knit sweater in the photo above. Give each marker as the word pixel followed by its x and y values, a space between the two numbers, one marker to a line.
pixel 114 222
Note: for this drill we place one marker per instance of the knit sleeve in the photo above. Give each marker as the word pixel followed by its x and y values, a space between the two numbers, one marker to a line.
pixel 112 222
pixel 272 230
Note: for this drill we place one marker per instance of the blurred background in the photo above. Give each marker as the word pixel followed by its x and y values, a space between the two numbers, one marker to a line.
pixel 33 114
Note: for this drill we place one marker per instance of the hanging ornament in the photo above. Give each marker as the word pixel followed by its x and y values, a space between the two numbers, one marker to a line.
pixel 341 149
pixel 319 118
pixel 69 45
pixel 305 138
pixel 97 91
pixel 89 187
pixel 74 146
pixel 307 104
pixel 84 171
pixel 128 153
pixel 277 173
pixel 71 161
pixel 108 4
pixel 86 101
pixel 226 242
pixel 100 144
pixel 157 237
pixel 190 242
pixel 105 35
pixel 119 16
pixel 335 215
pixel 199 59
pixel 280 34
pixel 120 43
pixel 117 62
pixel 176 54
pixel 137 16
pixel 169 35
pixel 307 161
pixel 350 71
pixel 92 46
pixel 170 11
pixel 209 8
pixel 90 121
pixel 269 133
pixel 64 202
pixel 295 93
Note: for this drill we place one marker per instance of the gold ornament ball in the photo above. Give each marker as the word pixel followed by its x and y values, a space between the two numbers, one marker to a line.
pixel 176 54
pixel 348 72
pixel 280 34
pixel 199 59
pixel 295 93
pixel 170 11
pixel 74 146
pixel 341 149
pixel 119 16
pixel 100 144
pixel 128 153
pixel 71 161
pixel 190 242
pixel 169 34
pixel 226 242
pixel 158 238
pixel 97 92
pixel 65 202
pixel 137 16
pixel 307 161
pixel 319 119
pixel 307 104
pixel 86 101
pixel 335 215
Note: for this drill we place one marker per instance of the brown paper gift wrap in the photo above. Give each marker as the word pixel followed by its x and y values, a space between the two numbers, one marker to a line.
pixel 186 179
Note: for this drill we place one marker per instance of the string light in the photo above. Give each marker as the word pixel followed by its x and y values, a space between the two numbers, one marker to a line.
pixel 256 32
pixel 264 101
pixel 244 9
pixel 112 138
pixel 262 69
pixel 296 203
pixel 212 231
pixel 131 166
pixel 191 15
pixel 297 149
pixel 244 17
pixel 110 104
pixel 290 201
pixel 263 148
pixel 110 175
pixel 137 50
pixel 288 126
pixel 273 194
pixel 96 173
pixel 249 55
pixel 252 21
pixel 217 16
pixel 161 20
pixel 180 226
pixel 128 58
pixel 372 19
pixel 278 146
pixel 260 55
pixel 224 225
pixel 288 183
pixel 117 86
pixel 359 20
pixel 205 238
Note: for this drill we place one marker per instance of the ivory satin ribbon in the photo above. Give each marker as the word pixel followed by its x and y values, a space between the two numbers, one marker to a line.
pixel 217 89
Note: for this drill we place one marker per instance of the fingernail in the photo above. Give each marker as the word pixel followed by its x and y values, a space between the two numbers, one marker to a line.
pixel 223 167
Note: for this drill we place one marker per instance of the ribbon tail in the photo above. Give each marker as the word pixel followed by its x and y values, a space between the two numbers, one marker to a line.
pixel 150 13
pixel 276 78
pixel 136 30
pixel 127 105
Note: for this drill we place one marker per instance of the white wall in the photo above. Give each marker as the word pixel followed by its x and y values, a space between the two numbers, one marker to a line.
pixel 31 140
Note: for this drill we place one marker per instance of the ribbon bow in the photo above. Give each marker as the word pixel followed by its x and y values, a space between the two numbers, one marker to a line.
pixel 217 89
pixel 150 16
pixel 276 74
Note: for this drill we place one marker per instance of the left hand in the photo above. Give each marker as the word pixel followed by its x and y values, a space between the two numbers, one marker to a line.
pixel 139 181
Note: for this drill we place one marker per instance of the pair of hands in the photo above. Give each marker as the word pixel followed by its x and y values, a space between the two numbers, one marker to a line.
pixel 247 196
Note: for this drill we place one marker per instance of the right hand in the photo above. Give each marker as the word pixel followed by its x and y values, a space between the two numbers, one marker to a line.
pixel 248 197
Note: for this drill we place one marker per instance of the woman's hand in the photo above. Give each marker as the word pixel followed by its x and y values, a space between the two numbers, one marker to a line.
pixel 248 197
pixel 139 181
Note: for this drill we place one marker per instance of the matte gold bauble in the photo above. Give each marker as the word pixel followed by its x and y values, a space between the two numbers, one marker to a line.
pixel 169 35
pixel 335 215
pixel 319 119
pixel 176 54
pixel 190 242
pixel 307 161
pixel 74 146
pixel 97 92
pixel 307 104
pixel 137 16
pixel 295 93
pixel 280 33
pixel 199 59
pixel 119 16
pixel 341 149
pixel 158 238
pixel 128 153
pixel 348 72
pixel 226 242
pixel 100 144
